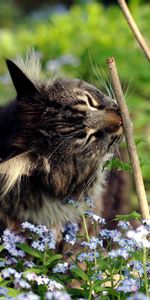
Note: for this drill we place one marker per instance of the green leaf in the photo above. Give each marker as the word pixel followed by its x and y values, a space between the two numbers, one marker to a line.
pixel 13 292
pixel 76 292
pixel 118 164
pixel 34 270
pixel 79 273
pixel 1 248
pixel 139 140
pixel 53 258
pixel 30 250
pixel 133 215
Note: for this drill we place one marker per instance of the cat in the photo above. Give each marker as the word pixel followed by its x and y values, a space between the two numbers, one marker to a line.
pixel 55 138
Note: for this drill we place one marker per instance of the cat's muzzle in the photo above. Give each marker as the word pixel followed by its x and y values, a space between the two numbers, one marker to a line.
pixel 113 122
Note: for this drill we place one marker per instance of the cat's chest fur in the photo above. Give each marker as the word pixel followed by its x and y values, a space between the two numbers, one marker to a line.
pixel 34 204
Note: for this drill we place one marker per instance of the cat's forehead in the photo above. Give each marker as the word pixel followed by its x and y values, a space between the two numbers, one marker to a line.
pixel 75 89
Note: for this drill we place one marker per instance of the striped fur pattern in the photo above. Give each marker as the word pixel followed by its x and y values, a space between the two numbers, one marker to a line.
pixel 54 140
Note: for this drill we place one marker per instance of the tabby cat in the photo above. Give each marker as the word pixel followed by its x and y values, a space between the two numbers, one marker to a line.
pixel 54 140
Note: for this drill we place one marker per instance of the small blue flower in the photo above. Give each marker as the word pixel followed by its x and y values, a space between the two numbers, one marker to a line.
pixel 97 276
pixel 114 235
pixel 3 291
pixel 6 273
pixel 27 296
pixel 11 261
pixel 130 245
pixel 29 226
pixel 129 285
pixel 125 225
pixel 29 264
pixel 10 239
pixel 21 283
pixel 88 256
pixel 138 296
pixel 137 265
pixel 82 257
pixel 61 268
pixel 69 232
pixel 119 252
pixel 44 240
pixel 2 264
pixel 54 286
pixel 93 243
pixel 94 218
pixel 57 296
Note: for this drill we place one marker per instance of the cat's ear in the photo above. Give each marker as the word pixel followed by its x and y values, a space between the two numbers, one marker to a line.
pixel 23 85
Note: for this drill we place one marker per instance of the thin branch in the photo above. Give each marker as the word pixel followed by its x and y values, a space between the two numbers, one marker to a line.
pixel 134 28
pixel 128 131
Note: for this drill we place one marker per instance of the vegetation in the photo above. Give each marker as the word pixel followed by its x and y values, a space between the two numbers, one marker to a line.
pixel 111 265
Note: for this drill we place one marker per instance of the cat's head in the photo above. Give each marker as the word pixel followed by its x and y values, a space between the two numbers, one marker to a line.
pixel 64 130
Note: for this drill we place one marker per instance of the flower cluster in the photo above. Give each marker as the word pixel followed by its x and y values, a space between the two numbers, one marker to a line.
pixel 88 256
pixel 52 285
pixel 10 241
pixel 129 285
pixel 117 257
pixel 140 236
pixel 94 218
pixel 61 268
pixel 93 243
pixel 43 238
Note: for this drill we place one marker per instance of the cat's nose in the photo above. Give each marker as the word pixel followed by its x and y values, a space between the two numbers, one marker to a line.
pixel 112 119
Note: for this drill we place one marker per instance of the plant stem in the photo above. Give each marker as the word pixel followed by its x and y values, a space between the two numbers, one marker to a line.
pixel 85 228
pixel 128 131
pixel 134 28
pixel 90 292
pixel 145 272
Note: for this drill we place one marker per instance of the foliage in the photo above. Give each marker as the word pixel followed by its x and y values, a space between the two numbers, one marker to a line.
pixel 111 264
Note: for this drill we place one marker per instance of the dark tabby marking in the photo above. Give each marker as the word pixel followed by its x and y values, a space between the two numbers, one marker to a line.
pixel 54 140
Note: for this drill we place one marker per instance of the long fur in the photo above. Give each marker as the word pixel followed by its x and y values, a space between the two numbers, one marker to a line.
pixel 12 171
pixel 55 140
pixel 31 66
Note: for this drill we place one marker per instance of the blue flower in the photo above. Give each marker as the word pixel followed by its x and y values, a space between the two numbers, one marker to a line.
pixel 10 240
pixel 69 232
pixel 6 273
pixel 57 296
pixel 29 226
pixel 130 245
pixel 27 296
pixel 129 285
pixel 125 225
pixel 138 296
pixel 114 235
pixel 3 291
pixel 94 218
pixel 137 265
pixel 21 283
pixel 61 268
pixel 119 252
pixel 29 264
pixel 44 238
pixel 88 256
pixel 2 264
pixel 93 243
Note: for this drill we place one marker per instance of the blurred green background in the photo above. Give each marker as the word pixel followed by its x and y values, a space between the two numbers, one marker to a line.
pixel 73 39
